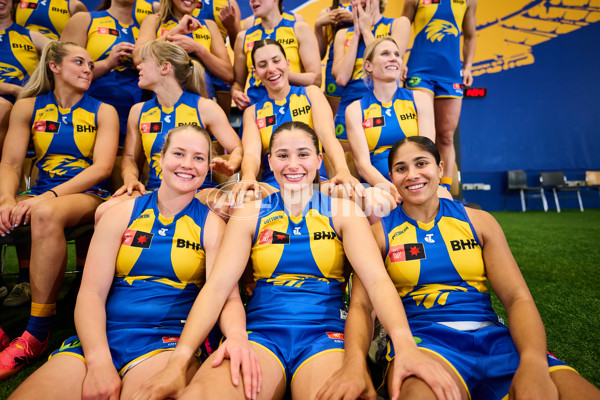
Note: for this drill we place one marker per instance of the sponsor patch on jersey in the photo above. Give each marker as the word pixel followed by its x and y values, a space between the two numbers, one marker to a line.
pixel 104 30
pixel 135 238
pixel 46 126
pixel 457 85
pixel 429 2
pixel 27 5
pixel 374 122
pixel 170 339
pixel 151 127
pixel 407 252
pixel 269 120
pixel 269 236
pixel 249 46
pixel 335 335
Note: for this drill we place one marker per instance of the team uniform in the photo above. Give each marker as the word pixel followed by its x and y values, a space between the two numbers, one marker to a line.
pixel 119 86
pixel 439 273
pixel 209 9
pixel 201 35
pixel 386 123
pixel 159 271
pixel 269 114
pixel 356 88
pixel 434 62
pixel 154 124
pixel 284 33
pixel 296 311
pixel 48 17
pixel 19 56
pixel 64 142
pixel 141 9
pixel 332 89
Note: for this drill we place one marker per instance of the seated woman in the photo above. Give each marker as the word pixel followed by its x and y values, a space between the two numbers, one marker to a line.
pixel 386 114
pixel 178 89
pixel 200 38
pixel 296 37
pixel 76 139
pixel 297 239
pixel 439 255
pixel 146 264
pixel 284 103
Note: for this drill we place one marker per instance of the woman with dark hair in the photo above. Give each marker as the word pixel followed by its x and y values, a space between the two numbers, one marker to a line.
pixel 75 138
pixel 148 260
pixel 297 239
pixel 110 35
pixel 284 103
pixel 440 255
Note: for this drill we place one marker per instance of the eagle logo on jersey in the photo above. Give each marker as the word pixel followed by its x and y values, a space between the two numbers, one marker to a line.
pixel 9 71
pixel 430 295
pixel 438 29
pixel 57 164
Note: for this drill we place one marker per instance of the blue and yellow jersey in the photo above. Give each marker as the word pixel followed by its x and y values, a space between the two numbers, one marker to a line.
pixel 284 33
pixel 356 88
pixel 48 17
pixel 438 267
pixel 331 87
pixel 141 9
pixel 18 56
pixel 63 138
pixel 160 266
pixel 298 264
pixel 201 35
pixel 386 123
pixel 270 114
pixel 210 9
pixel 156 121
pixel 118 87
pixel 436 49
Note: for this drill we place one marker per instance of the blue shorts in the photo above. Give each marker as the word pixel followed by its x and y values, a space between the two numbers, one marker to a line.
pixel 485 359
pixel 340 126
pixel 293 345
pixel 439 89
pixel 41 189
pixel 129 347
pixel 332 89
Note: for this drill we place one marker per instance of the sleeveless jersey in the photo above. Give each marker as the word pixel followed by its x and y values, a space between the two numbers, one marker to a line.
pixel 18 56
pixel 436 49
pixel 48 17
pixel 331 88
pixel 119 86
pixel 156 121
pixel 386 123
pixel 160 266
pixel 63 139
pixel 298 264
pixel 284 33
pixel 438 267
pixel 210 9
pixel 270 114
pixel 141 9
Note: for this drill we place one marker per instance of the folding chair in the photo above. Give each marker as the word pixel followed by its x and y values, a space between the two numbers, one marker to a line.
pixel 517 181
pixel 556 182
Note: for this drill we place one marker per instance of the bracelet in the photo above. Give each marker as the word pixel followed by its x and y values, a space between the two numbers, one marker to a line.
pixel 53 192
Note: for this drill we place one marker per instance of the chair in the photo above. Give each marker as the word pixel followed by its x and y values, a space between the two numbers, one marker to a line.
pixel 592 180
pixel 517 181
pixel 556 182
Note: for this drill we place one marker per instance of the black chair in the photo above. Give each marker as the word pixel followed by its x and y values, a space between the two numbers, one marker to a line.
pixel 592 180
pixel 557 182
pixel 517 181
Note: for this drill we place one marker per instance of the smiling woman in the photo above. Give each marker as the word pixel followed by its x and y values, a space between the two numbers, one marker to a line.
pixel 75 138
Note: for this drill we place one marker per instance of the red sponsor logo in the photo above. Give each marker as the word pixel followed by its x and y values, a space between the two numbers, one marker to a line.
pixel 127 238
pixel 457 86
pixel 261 123
pixel 335 335
pixel 397 253
pixel 347 42
pixel 266 236
pixel 249 46
pixel 426 2
pixel 172 339
pixel 368 123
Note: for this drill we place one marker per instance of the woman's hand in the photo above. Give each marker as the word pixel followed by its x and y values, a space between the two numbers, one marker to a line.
pixel 118 53
pixel 467 75
pixel 188 24
pixel 221 166
pixel 163 385
pixel 350 184
pixel 185 42
pixel 365 18
pixel 326 18
pixel 5 224
pixel 101 383
pixel 532 382
pixel 348 382
pixel 241 99
pixel 343 16
pixel 241 356
pixel 244 191
pixel 21 213
pixel 129 187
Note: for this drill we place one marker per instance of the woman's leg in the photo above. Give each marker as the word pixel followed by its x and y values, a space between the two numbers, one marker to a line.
pixel 215 383
pixel 310 377
pixel 415 388
pixel 571 385
pixel 447 114
pixel 60 378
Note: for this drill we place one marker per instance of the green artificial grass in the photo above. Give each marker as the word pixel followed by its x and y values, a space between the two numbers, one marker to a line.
pixel 559 256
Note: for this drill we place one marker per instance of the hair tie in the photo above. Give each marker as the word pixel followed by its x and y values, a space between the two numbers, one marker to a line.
pixel 191 64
